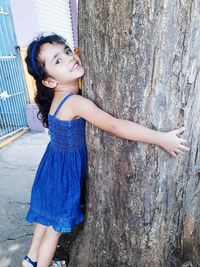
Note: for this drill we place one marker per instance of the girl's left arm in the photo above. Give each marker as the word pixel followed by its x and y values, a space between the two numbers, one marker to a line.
pixel 169 141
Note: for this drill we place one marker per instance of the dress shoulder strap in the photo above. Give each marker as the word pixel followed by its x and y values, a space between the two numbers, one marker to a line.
pixel 62 102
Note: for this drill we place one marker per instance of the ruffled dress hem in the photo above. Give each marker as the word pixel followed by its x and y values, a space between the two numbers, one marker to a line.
pixel 66 224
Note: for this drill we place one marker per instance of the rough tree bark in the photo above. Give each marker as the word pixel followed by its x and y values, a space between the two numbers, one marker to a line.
pixel 142 63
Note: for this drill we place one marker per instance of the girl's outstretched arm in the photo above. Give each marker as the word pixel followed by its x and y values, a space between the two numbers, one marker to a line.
pixel 169 141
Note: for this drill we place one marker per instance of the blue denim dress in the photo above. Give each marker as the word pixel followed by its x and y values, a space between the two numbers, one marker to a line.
pixel 56 191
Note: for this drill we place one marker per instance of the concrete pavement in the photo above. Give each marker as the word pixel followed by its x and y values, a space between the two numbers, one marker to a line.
pixel 18 163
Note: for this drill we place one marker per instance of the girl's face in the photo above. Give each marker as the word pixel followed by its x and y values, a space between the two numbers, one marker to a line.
pixel 61 63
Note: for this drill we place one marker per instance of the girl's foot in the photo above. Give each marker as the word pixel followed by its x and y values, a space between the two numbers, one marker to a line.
pixel 58 264
pixel 28 262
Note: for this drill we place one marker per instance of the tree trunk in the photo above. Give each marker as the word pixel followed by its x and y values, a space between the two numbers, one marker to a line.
pixel 142 62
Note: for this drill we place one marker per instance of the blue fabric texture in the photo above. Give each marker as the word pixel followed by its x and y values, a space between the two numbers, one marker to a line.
pixel 56 191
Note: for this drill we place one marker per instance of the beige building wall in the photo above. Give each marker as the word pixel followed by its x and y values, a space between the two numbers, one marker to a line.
pixel 30 82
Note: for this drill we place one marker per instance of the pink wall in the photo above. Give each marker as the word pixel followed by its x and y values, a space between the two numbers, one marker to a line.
pixel 74 11
pixel 25 21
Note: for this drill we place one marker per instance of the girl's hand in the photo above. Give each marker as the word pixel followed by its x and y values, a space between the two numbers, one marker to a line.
pixel 173 144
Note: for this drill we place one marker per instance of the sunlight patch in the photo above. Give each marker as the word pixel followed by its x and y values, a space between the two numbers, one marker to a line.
pixel 5 262
pixel 14 247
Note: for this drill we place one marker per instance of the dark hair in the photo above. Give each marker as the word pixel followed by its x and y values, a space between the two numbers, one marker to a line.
pixel 36 68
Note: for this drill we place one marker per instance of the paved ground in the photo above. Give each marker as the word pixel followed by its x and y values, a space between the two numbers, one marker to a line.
pixel 18 163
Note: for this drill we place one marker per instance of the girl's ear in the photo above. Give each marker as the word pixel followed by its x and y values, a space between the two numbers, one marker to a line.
pixel 49 82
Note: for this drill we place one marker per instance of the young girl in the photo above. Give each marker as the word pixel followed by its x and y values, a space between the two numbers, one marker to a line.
pixel 56 191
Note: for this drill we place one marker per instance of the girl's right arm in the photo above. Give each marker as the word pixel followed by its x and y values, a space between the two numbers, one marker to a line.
pixel 169 141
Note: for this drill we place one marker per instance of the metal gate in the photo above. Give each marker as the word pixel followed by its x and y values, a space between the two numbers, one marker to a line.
pixel 13 94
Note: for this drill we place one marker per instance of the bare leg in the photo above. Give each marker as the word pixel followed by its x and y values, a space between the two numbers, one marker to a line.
pixel 39 232
pixel 48 247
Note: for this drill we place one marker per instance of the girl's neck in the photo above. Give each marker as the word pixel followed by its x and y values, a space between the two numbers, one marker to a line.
pixel 64 89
